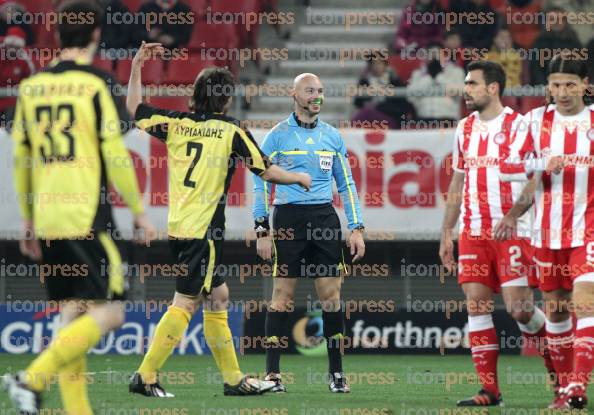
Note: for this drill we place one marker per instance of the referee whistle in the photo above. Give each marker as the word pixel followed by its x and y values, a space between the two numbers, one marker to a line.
pixel 317 101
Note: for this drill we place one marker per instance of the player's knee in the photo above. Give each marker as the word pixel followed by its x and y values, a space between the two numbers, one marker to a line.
pixel 218 299
pixel 281 295
pixel 583 302
pixel 108 317
pixel 190 304
pixel 521 316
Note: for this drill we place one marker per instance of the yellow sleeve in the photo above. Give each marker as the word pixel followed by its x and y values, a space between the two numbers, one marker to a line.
pixel 118 163
pixel 155 121
pixel 247 149
pixel 22 163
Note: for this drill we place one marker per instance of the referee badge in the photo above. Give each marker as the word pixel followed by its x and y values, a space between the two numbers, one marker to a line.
pixel 326 162
pixel 499 138
pixel 590 134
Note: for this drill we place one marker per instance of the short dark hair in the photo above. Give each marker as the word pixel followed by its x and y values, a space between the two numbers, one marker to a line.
pixel 565 63
pixel 213 88
pixel 76 22
pixel 492 72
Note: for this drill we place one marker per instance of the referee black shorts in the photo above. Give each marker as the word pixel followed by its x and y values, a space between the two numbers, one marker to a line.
pixel 84 269
pixel 307 241
pixel 201 258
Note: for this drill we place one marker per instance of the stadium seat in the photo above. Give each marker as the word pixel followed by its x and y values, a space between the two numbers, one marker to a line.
pixel 152 72
pixel 404 67
pixel 216 35
pixel 133 5
pixel 185 71
pixel 199 7
pixel 170 103
pixel 105 64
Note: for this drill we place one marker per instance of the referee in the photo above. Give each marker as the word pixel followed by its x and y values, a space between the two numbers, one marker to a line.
pixel 306 237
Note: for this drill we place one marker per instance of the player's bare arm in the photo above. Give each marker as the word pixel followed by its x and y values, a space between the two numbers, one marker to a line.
pixel 454 200
pixel 506 227
pixel 134 94
pixel 275 174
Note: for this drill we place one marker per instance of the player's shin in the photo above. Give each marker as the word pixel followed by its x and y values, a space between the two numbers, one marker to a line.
pixel 334 334
pixel 219 340
pixel 168 334
pixel 72 343
pixel 73 388
pixel 485 350
pixel 273 329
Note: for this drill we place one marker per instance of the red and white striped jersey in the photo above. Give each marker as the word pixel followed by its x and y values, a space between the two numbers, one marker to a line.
pixel 564 203
pixel 478 148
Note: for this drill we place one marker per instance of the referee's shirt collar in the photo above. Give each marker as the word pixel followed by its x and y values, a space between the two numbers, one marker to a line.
pixel 293 120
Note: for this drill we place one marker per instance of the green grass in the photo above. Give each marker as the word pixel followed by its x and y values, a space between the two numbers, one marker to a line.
pixel 380 385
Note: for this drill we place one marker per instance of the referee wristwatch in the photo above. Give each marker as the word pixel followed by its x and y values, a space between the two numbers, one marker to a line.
pixel 359 228
pixel 262 227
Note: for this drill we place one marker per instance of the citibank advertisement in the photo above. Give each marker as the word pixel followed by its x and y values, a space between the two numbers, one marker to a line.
pixel 389 332
pixel 25 329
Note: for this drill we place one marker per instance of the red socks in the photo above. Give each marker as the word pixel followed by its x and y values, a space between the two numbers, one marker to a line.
pixel 485 350
pixel 583 351
pixel 560 344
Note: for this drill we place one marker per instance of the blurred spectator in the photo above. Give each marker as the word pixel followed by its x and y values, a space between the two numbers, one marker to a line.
pixel 10 16
pixel 436 73
pixel 379 103
pixel 502 52
pixel 114 33
pixel 584 28
pixel 452 44
pixel 561 36
pixel 271 6
pixel 15 66
pixel 478 31
pixel 170 32
pixel 417 35
pixel 523 31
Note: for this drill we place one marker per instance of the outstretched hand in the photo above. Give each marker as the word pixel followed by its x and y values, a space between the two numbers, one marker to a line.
pixel 145 52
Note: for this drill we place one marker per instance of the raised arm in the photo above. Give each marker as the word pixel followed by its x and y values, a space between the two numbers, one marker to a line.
pixel 134 94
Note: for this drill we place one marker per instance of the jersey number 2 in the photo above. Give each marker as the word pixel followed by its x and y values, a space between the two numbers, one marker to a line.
pixel 192 146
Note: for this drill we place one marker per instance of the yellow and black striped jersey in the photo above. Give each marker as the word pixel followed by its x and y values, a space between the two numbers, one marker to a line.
pixel 68 147
pixel 203 150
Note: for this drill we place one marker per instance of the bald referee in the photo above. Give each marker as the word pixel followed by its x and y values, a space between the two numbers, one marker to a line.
pixel 306 239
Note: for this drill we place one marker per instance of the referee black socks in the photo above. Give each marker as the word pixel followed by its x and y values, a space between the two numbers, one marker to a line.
pixel 273 329
pixel 334 333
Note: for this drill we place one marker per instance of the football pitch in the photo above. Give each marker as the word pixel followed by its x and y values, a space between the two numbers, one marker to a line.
pixel 380 385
